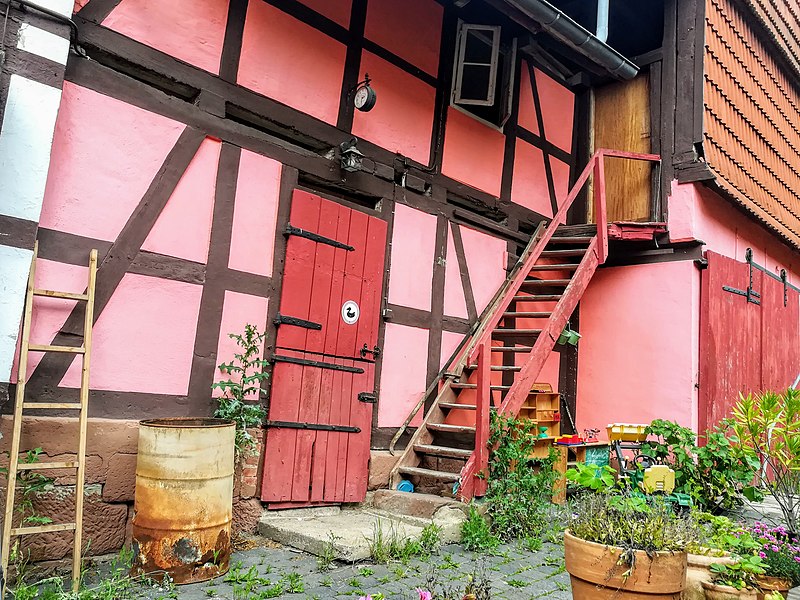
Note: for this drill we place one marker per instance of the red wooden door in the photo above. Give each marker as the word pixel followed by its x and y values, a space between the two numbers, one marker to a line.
pixel 320 413
pixel 745 345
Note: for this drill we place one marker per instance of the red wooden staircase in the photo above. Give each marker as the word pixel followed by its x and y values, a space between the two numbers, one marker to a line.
pixel 503 357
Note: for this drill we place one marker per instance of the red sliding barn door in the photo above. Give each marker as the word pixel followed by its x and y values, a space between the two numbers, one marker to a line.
pixel 746 345
pixel 320 414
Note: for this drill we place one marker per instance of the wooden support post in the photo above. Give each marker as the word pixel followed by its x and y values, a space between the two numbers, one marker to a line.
pixel 483 401
pixel 600 208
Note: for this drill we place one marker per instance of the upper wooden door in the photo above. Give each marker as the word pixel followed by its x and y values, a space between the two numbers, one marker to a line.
pixel 320 414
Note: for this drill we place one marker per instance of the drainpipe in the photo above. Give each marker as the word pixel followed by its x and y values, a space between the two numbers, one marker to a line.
pixel 563 28
pixel 602 20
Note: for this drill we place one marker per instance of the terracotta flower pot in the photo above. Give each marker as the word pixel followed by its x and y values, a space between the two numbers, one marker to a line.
pixel 699 571
pixel 773 584
pixel 724 592
pixel 595 574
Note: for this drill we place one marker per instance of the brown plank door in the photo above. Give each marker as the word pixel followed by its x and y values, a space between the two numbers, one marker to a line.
pixel 323 382
pixel 748 342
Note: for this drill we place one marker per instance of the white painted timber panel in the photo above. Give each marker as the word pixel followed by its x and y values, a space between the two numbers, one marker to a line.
pixel 15 263
pixel 43 43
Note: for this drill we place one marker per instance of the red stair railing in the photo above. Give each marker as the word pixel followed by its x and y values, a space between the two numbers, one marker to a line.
pixel 480 352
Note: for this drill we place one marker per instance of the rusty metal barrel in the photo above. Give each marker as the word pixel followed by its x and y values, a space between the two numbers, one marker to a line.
pixel 184 496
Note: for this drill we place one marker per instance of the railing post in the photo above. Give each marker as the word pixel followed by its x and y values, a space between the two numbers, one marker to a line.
pixel 483 401
pixel 600 215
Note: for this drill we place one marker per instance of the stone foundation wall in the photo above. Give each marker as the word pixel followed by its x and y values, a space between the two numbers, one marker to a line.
pixel 111 449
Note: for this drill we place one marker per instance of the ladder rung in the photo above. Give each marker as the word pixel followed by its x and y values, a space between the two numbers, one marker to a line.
pixel 43 529
pixel 64 295
pixel 72 405
pixel 49 348
pixel 69 464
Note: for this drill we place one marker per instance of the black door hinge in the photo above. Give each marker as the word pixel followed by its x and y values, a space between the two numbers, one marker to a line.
pixel 367 398
pixel 284 320
pixel 315 237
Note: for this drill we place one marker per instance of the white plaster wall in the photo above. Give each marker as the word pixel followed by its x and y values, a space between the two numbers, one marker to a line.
pixel 14 267
pixel 25 142
pixel 43 43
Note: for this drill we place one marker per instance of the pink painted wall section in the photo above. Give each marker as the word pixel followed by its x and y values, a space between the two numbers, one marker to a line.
pixel 291 62
pixel 184 227
pixel 190 31
pixel 403 373
pixel 486 260
pixel 450 342
pixel 527 117
pixel 49 314
pixel 101 167
pixel 238 311
pixel 637 358
pixel 255 214
pixel 144 339
pixel 529 185
pixel 402 119
pixel 484 169
pixel 338 11
pixel 393 24
pixel 696 212
pixel 413 247
pixel 558 109
pixel 455 304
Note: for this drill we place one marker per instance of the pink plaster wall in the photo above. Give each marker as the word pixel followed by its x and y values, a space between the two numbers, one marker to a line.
pixel 455 304
pixel 527 109
pixel 402 119
pixel 338 11
pixel 403 373
pixel 450 342
pixel 238 310
pixel 696 212
pixel 143 340
pixel 413 247
pixel 184 227
pixel 393 24
pixel 190 31
pixel 637 357
pixel 558 108
pixel 529 185
pixel 255 214
pixel 101 167
pixel 291 62
pixel 486 260
pixel 482 169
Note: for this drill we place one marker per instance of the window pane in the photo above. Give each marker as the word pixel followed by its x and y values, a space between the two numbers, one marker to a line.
pixel 475 82
pixel 478 46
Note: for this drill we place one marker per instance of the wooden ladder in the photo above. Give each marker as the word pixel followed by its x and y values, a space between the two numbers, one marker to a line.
pixel 20 406
pixel 499 363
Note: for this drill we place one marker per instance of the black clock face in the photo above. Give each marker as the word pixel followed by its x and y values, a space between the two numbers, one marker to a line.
pixel 365 98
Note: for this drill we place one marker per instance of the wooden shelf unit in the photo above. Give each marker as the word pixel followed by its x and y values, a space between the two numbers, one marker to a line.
pixel 543 408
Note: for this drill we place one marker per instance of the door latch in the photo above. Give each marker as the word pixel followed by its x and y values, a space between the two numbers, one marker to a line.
pixel 368 398
pixel 376 351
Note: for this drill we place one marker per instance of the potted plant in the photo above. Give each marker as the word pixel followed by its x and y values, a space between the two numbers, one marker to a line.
pixel 720 541
pixel 736 581
pixel 781 556
pixel 620 546
pixel 767 426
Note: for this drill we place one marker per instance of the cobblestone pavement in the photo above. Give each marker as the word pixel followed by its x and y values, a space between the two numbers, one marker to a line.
pixel 514 572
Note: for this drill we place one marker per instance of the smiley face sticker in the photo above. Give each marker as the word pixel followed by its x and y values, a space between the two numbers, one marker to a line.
pixel 350 312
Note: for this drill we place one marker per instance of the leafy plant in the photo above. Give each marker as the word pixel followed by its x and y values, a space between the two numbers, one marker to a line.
pixel 740 575
pixel 592 477
pixel 388 545
pixel 476 535
pixel 632 523
pixel 718 534
pixel 768 430
pixel 779 551
pixel 245 374
pixel 714 474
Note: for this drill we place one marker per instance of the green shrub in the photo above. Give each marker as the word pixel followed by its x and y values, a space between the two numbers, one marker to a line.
pixel 476 535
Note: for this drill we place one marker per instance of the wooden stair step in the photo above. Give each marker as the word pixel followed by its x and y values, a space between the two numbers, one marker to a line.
pixel 562 253
pixel 548 282
pixel 456 406
pixel 501 332
pixel 419 472
pixel 570 239
pixel 457 385
pixel 444 451
pixel 537 297
pixel 445 428
pixel 528 315
pixel 512 348
pixel 556 267
pixel 506 368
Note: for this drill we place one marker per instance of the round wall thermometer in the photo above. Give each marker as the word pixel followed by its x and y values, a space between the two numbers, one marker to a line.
pixel 365 97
